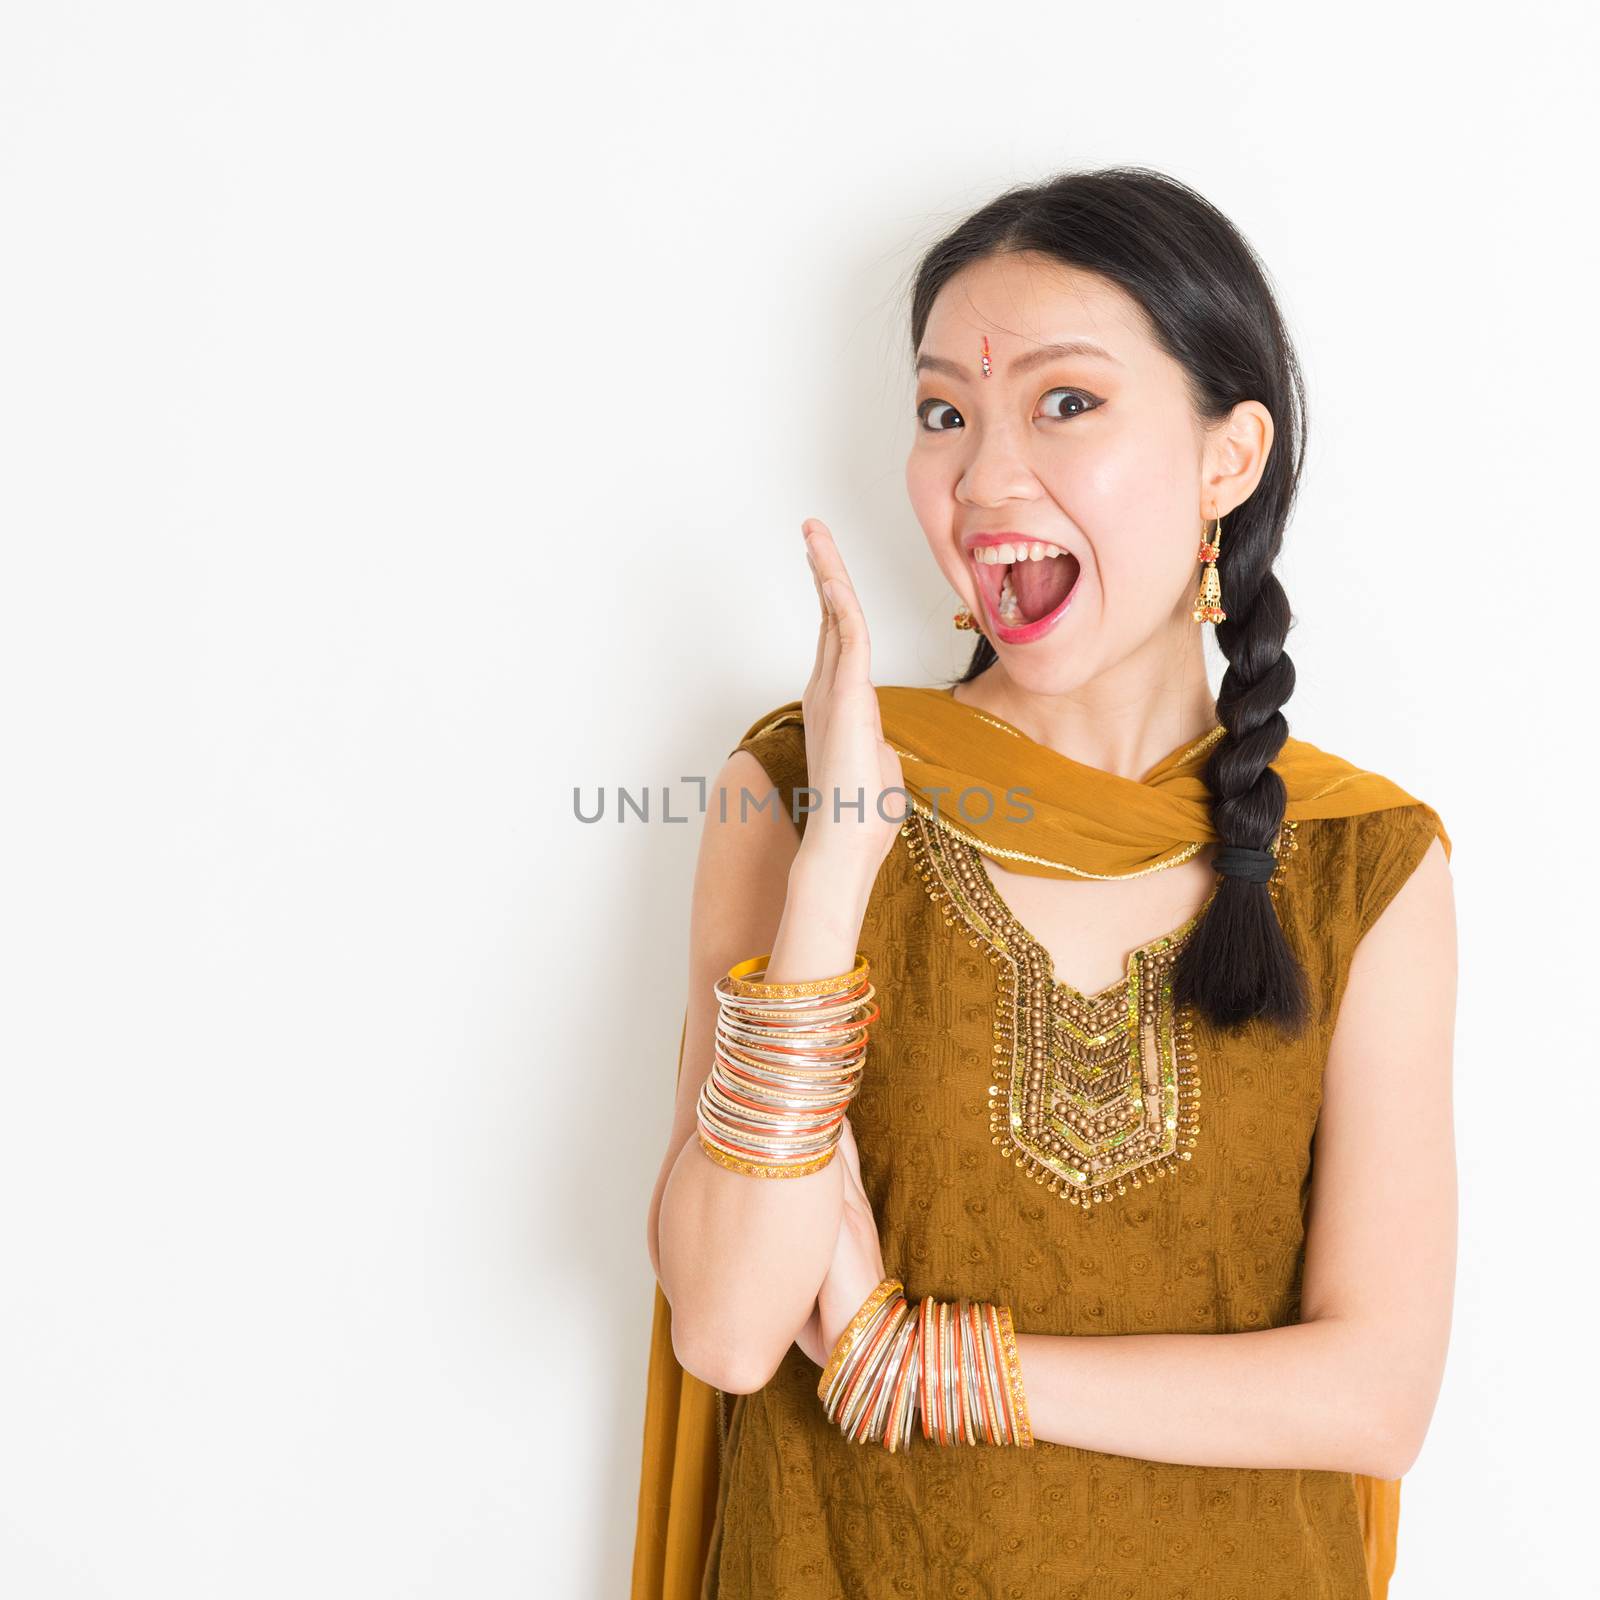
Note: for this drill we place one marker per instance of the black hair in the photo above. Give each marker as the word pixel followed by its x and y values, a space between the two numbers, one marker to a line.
pixel 1209 304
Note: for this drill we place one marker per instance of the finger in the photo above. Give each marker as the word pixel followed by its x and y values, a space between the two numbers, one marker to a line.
pixel 830 624
pixel 830 645
pixel 855 648
pixel 825 548
pixel 819 691
pixel 823 620
pixel 854 644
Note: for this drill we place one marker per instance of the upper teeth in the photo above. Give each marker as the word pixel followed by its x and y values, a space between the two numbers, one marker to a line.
pixel 1005 554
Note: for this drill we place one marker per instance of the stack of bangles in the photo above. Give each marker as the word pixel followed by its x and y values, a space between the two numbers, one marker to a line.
pixel 787 1061
pixel 956 1363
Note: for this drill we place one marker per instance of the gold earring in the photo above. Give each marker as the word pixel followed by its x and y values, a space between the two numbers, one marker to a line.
pixel 965 619
pixel 1208 603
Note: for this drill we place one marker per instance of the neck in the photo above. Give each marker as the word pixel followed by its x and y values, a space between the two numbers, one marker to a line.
pixel 1122 722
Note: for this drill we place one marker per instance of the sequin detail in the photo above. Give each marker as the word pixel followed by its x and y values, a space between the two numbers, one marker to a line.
pixel 1092 1094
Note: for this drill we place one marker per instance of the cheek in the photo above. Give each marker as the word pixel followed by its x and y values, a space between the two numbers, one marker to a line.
pixel 931 491
pixel 929 487
pixel 1132 503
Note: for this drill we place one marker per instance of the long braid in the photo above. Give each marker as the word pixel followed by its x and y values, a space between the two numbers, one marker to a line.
pixel 1238 963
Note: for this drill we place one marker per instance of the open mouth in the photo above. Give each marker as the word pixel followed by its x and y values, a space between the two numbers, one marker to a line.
pixel 1020 595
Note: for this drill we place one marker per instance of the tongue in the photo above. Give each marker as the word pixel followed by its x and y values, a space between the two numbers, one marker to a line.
pixel 1040 586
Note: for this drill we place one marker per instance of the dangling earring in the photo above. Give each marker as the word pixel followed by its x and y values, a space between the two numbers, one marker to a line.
pixel 1208 603
pixel 965 619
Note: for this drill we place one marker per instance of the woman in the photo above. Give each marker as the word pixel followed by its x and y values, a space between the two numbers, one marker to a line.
pixel 1130 1269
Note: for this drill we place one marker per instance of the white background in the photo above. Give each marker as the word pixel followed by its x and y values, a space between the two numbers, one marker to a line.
pixel 408 412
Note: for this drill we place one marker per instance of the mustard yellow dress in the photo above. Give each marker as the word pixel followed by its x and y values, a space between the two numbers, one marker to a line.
pixel 985 1074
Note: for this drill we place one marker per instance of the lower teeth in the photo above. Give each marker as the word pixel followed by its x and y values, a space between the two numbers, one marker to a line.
pixel 1010 611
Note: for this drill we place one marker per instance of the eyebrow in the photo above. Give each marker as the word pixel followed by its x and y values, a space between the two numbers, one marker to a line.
pixel 1034 358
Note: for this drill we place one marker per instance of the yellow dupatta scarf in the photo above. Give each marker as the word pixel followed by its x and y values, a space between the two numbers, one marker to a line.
pixel 1084 822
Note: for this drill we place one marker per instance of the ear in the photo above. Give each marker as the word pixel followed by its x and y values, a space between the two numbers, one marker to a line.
pixel 1234 458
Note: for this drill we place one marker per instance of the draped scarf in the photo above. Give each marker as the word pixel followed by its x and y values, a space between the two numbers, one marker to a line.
pixel 1037 811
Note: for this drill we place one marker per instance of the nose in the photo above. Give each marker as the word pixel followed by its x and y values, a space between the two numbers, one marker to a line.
pixel 997 468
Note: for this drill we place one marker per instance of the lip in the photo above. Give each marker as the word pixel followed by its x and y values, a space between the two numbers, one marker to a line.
pixel 1029 632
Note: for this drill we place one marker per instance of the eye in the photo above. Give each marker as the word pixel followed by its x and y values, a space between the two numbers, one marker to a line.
pixel 928 407
pixel 1079 399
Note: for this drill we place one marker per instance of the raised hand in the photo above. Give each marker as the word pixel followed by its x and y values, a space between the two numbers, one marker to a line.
pixel 829 885
pixel 846 754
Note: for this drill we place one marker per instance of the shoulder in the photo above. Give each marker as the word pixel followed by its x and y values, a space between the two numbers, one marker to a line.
pixel 1354 866
pixel 789 714
pixel 1343 874
pixel 766 768
pixel 1371 831
pixel 777 739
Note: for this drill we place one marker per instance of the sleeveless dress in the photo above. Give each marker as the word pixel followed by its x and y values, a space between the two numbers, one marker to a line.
pixel 986 1083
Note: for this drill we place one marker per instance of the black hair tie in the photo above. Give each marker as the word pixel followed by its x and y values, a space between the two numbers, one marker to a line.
pixel 1236 861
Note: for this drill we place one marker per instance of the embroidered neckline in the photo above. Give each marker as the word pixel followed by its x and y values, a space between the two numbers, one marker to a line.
pixel 1022 937
pixel 1091 1093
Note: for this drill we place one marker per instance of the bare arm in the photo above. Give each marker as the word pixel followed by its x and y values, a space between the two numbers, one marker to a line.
pixel 741 1258
pixel 1352 1387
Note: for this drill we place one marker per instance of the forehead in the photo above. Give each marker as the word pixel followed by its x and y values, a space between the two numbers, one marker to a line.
pixel 1021 300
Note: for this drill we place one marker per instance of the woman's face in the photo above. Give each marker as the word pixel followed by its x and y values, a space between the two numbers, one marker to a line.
pixel 1092 449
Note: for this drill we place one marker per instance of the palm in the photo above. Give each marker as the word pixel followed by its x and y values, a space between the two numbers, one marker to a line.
pixel 846 754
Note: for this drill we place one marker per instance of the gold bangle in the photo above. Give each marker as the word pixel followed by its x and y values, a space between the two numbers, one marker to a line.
pixel 755 1169
pixel 738 982
pixel 1013 1365
pixel 846 1339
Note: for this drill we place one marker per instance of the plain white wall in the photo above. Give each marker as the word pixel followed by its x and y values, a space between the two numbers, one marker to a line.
pixel 408 412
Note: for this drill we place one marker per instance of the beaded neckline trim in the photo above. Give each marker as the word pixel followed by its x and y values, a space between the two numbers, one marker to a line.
pixel 1092 1094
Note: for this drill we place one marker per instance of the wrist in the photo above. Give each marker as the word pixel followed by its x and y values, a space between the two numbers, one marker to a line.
pixel 831 892
pixel 953 1364
pixel 838 1302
